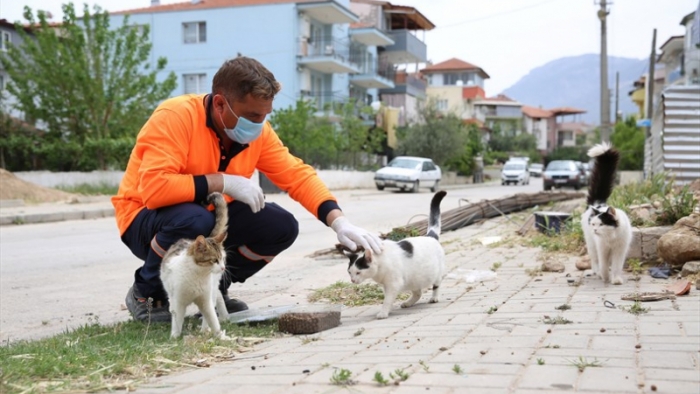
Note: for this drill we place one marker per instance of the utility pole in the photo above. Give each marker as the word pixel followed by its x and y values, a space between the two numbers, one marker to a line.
pixel 650 83
pixel 617 97
pixel 604 90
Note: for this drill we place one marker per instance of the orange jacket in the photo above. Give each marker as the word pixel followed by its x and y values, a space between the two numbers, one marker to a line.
pixel 175 148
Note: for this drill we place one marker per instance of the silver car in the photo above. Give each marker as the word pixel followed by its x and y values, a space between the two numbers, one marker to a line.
pixel 409 173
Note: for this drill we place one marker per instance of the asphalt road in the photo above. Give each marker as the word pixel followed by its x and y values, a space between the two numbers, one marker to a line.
pixel 57 276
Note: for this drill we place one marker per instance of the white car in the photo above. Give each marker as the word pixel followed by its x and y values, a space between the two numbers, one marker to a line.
pixel 409 173
pixel 515 172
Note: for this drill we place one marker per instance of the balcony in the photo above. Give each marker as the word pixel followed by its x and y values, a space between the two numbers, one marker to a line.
pixel 407 48
pixel 326 55
pixel 405 83
pixel 370 76
pixel 325 100
pixel 328 12
pixel 370 36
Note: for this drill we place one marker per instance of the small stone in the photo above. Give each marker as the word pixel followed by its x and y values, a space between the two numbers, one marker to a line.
pixel 638 346
pixel 583 264
pixel 602 330
pixel 549 331
pixel 653 387
pixel 690 268
pixel 442 349
pixel 552 266
pixel 483 352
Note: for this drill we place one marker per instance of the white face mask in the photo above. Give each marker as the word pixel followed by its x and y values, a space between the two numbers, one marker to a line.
pixel 245 131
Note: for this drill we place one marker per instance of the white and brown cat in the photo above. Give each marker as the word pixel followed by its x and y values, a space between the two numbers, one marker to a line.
pixel 607 230
pixel 412 264
pixel 191 271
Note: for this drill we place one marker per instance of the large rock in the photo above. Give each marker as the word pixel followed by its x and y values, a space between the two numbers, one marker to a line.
pixel 682 243
pixel 644 243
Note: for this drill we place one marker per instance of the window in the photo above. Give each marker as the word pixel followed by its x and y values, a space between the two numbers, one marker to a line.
pixel 194 32
pixel 195 83
pixel 441 105
pixel 5 41
pixel 2 83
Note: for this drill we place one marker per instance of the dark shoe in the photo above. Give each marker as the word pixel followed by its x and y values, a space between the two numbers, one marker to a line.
pixel 234 305
pixel 146 309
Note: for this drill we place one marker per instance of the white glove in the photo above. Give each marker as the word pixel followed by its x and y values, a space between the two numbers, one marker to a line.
pixel 351 235
pixel 244 190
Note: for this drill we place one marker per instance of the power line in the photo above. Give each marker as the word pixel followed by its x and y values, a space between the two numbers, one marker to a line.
pixel 494 15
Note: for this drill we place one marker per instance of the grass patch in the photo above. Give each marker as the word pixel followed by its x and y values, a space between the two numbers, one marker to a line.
pixel 350 294
pixel 635 309
pixel 556 320
pixel 341 377
pixel 675 201
pixel 88 189
pixel 94 357
pixel 399 233
pixel 569 240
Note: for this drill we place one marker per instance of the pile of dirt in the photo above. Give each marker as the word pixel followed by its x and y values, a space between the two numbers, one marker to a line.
pixel 13 188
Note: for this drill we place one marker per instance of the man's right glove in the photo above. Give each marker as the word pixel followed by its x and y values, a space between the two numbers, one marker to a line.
pixel 244 190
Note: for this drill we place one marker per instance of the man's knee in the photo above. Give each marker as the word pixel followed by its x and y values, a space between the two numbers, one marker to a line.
pixel 188 221
pixel 288 228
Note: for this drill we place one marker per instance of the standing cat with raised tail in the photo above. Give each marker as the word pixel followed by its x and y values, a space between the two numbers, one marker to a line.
pixel 607 230
pixel 412 264
pixel 191 270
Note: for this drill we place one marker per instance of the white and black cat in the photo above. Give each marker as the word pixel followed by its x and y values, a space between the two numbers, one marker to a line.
pixel 191 271
pixel 607 230
pixel 412 264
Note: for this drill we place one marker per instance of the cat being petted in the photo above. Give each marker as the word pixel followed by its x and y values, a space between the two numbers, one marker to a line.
pixel 606 230
pixel 412 264
pixel 191 271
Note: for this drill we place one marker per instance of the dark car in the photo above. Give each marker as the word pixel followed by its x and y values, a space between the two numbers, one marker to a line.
pixel 563 173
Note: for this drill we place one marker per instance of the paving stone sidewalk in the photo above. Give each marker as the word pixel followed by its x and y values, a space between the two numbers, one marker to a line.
pixel 497 336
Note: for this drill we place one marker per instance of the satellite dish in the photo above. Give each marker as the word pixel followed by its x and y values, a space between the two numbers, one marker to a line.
pixel 460 82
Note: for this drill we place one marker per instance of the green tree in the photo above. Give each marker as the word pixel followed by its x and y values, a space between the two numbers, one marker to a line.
pixel 307 136
pixel 464 163
pixel 629 140
pixel 84 80
pixel 438 136
pixel 355 135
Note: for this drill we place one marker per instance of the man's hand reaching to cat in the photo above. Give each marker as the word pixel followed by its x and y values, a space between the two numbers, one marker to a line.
pixel 350 235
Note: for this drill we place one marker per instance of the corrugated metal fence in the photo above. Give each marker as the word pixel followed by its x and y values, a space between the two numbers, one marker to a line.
pixel 681 132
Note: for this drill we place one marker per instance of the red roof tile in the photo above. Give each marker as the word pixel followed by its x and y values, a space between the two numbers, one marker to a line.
pixel 454 64
pixel 501 97
pixel 567 111
pixel 473 92
pixel 204 4
pixel 536 112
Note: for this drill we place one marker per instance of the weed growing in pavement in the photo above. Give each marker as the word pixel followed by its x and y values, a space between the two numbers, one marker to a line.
pixel 425 366
pixel 496 266
pixel 379 378
pixel 96 357
pixel 399 375
pixel 540 361
pixel 350 294
pixel 582 363
pixel 492 310
pixel 457 369
pixel 635 309
pixel 556 320
pixel 341 377
pixel 537 271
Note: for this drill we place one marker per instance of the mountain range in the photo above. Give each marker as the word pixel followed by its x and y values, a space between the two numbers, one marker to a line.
pixel 575 82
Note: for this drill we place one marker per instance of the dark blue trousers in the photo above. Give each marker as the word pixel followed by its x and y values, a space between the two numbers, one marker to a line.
pixel 253 239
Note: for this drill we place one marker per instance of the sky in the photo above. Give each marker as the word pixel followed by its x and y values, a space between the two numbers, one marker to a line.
pixel 506 38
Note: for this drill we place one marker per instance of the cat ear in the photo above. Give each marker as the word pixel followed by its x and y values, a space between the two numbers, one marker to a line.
pixel 200 243
pixel 612 211
pixel 368 256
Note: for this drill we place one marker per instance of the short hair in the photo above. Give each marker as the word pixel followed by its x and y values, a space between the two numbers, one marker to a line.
pixel 241 76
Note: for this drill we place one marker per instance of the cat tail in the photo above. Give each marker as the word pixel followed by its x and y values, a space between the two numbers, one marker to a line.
pixel 220 212
pixel 434 225
pixel 603 174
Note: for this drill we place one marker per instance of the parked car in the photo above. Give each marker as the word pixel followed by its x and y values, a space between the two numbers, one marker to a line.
pixel 563 173
pixel 409 173
pixel 515 172
pixel 536 170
